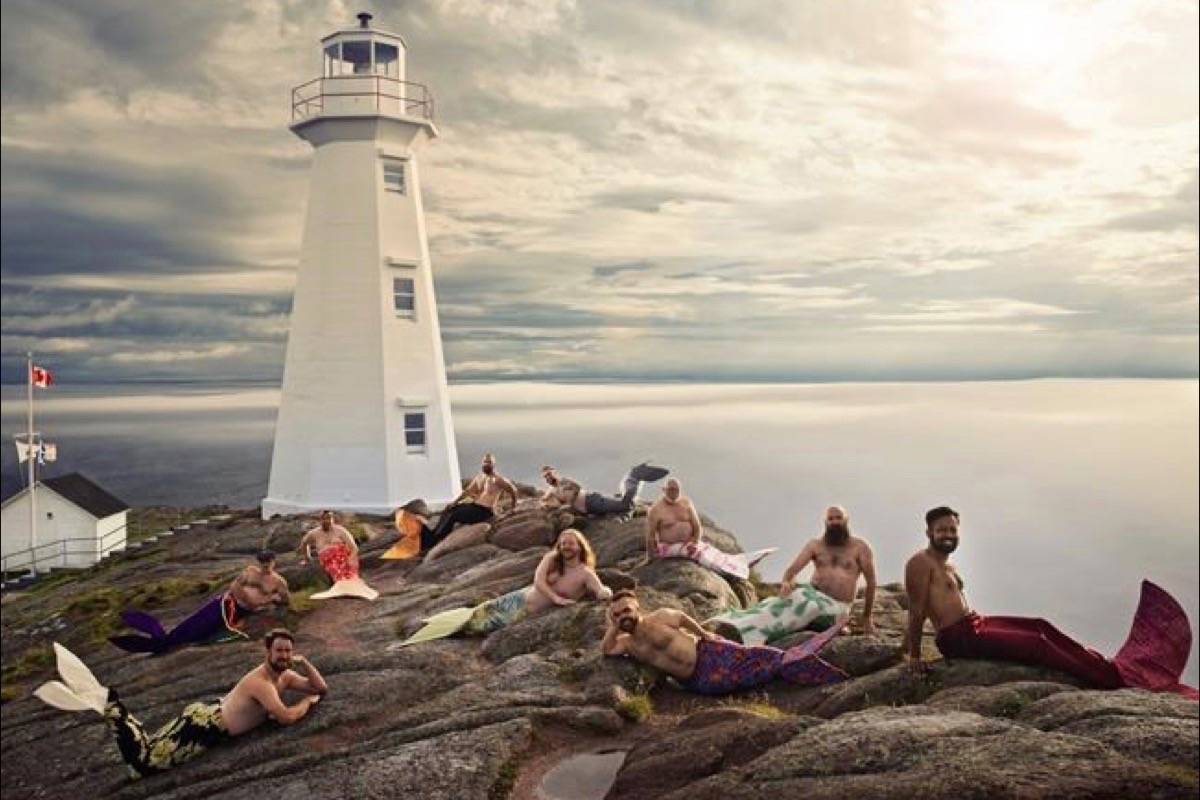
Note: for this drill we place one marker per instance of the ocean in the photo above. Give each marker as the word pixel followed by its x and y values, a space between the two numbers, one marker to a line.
pixel 1071 491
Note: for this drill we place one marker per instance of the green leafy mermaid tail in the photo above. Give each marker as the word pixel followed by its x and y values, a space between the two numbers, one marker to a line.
pixel 773 618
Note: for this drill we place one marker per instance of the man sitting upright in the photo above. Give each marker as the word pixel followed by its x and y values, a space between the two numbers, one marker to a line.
pixel 703 662
pixel 337 553
pixel 1153 657
pixel 674 530
pixel 839 559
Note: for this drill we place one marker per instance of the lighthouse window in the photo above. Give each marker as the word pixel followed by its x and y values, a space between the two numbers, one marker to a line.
pixel 404 297
pixel 387 60
pixel 357 56
pixel 393 177
pixel 414 432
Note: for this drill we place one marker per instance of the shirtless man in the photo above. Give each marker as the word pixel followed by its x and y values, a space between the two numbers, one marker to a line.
pixel 563 492
pixel 839 559
pixel 338 554
pixel 672 520
pixel 201 725
pixel 259 585
pixel 478 501
pixel 564 576
pixel 328 534
pixel 221 616
pixel 701 661
pixel 1151 659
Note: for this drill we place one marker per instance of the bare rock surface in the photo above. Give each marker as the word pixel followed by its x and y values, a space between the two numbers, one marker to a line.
pixel 474 718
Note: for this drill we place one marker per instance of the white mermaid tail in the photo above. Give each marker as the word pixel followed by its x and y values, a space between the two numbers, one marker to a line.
pixel 79 689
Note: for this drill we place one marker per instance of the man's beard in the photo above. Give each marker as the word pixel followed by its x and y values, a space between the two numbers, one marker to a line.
pixel 280 666
pixel 837 535
pixel 945 546
pixel 627 624
pixel 487 469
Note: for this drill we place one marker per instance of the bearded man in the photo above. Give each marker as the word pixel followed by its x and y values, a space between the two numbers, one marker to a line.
pixel 702 662
pixel 839 559
pixel 1153 657
pixel 255 698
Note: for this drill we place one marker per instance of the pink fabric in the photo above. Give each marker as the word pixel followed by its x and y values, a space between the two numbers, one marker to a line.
pixel 1159 643
pixel 336 561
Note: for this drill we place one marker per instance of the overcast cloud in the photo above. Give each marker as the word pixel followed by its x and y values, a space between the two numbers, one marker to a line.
pixel 711 190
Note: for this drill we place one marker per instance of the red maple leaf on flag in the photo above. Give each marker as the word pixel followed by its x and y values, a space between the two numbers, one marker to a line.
pixel 40 376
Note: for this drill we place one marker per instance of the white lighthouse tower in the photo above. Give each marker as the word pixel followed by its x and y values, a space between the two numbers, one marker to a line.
pixel 364 423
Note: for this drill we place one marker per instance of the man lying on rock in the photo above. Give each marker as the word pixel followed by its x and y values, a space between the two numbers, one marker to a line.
pixel 565 575
pixel 566 492
pixel 838 560
pixel 337 553
pixel 201 725
pixel 1153 656
pixel 703 662
pixel 478 502
pixel 673 530
pixel 221 617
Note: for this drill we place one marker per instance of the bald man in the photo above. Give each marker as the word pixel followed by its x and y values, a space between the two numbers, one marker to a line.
pixel 839 559
pixel 674 530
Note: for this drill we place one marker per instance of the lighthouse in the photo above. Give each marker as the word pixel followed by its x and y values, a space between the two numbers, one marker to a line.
pixel 364 419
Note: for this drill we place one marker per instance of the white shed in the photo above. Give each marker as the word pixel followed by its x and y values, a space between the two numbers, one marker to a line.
pixel 78 523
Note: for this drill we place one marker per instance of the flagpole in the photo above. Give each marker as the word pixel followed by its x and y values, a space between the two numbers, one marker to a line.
pixel 32 461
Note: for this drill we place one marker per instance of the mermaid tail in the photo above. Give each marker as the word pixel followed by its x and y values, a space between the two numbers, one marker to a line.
pixel 1160 640
pixel 141 621
pixel 135 643
pixel 648 474
pixel 79 689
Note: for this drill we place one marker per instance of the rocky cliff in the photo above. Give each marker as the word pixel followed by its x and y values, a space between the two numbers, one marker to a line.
pixel 463 718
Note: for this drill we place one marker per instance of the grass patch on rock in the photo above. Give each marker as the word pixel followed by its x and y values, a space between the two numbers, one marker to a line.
pixel 36 660
pixel 635 707
pixel 506 779
pixel 759 706
pixel 97 611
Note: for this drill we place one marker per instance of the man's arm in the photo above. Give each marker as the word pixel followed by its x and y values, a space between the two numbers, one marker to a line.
pixel 598 589
pixel 541 581
pixel 310 683
pixel 282 594
pixel 694 518
pixel 799 563
pixel 267 696
pixel 678 619
pixel 867 563
pixel 614 642
pixel 652 532
pixel 302 548
pixel 508 486
pixel 916 586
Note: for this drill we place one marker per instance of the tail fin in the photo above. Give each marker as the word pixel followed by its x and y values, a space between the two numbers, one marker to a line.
pixel 135 643
pixel 1159 643
pixel 79 690
pixel 141 621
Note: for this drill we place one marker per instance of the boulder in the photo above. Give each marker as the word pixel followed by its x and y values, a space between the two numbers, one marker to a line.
pixel 462 537
pixel 705 592
pixel 1002 700
pixel 523 529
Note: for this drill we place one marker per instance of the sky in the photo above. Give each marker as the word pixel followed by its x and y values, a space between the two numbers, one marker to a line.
pixel 626 190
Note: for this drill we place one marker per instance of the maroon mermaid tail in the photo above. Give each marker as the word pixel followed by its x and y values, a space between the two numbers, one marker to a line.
pixel 1159 643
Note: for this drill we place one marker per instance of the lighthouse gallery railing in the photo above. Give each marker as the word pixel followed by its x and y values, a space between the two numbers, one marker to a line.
pixel 362 94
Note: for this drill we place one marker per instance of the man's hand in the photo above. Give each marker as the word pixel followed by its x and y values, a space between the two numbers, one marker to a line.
pixel 868 627
pixel 563 601
pixel 786 588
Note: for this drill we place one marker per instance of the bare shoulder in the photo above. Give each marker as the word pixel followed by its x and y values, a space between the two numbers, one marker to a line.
pixel 861 545
pixel 918 564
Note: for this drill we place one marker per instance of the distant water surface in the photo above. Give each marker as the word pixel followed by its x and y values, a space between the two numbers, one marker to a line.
pixel 1071 491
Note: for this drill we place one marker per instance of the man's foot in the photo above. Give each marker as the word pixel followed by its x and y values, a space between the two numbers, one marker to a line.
pixel 648 474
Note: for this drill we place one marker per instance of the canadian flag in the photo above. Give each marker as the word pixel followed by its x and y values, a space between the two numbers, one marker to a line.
pixel 40 376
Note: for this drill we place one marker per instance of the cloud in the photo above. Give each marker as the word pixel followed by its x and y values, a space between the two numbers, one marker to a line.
pixel 759 190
